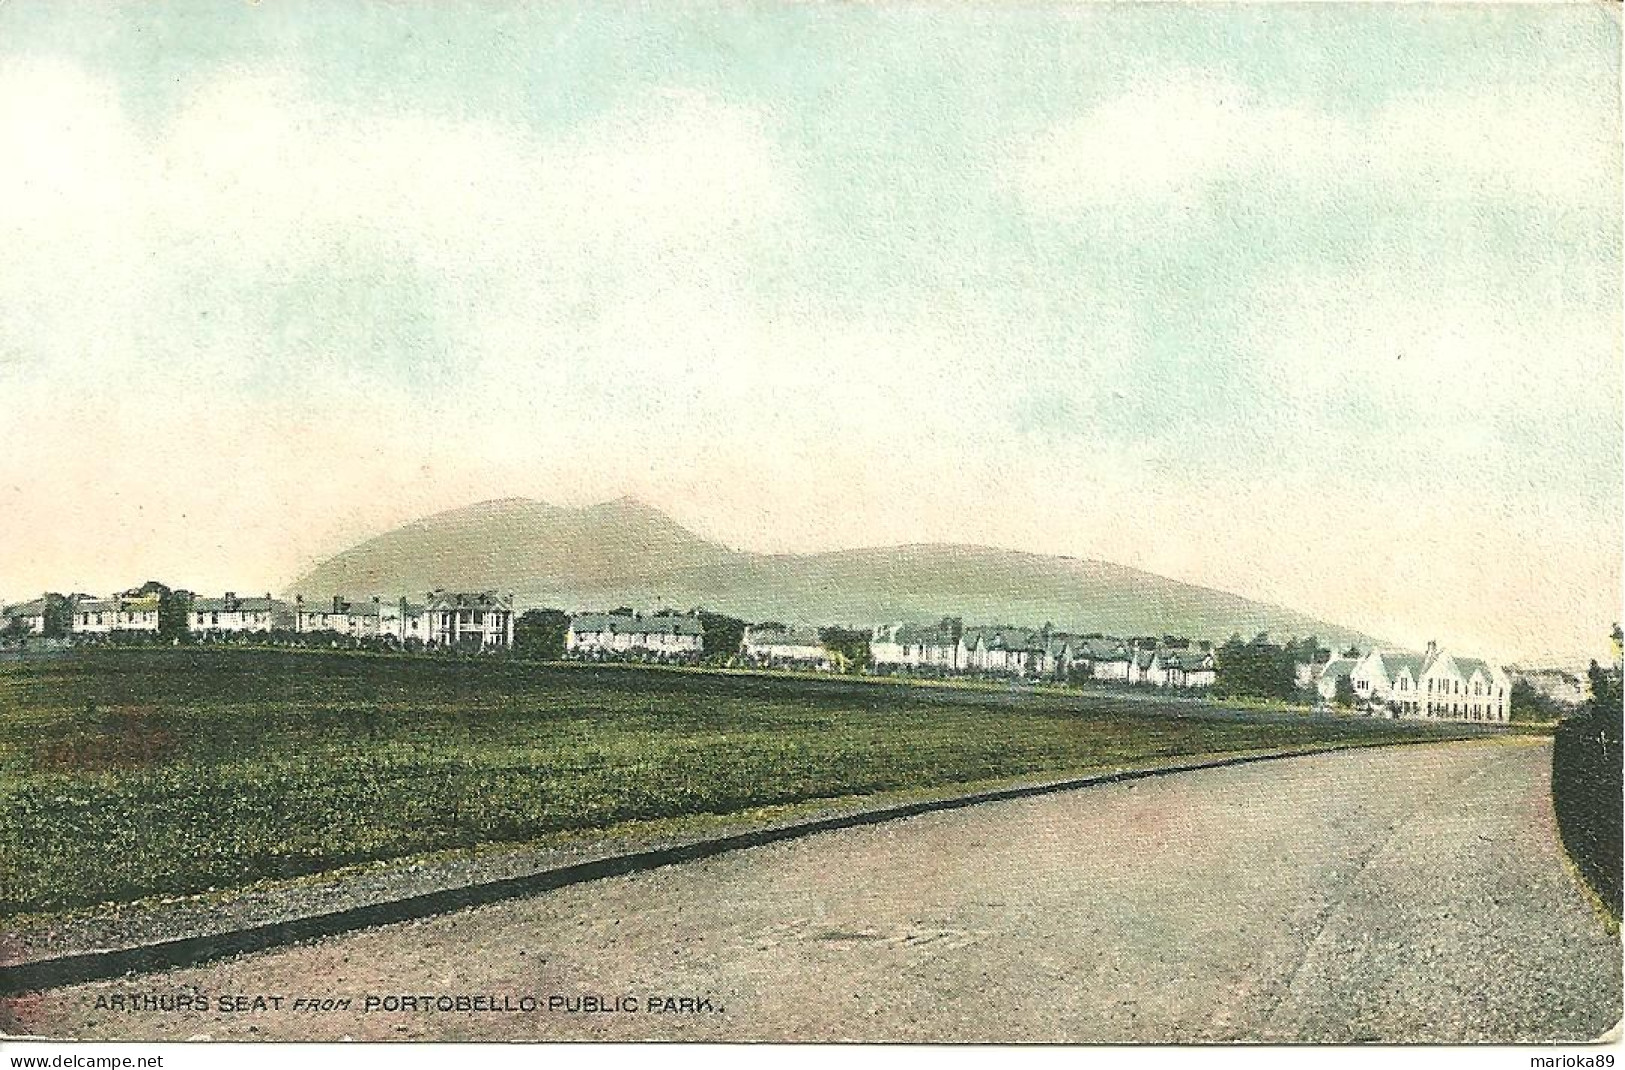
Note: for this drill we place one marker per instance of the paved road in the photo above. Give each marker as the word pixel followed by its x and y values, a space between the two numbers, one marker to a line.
pixel 1403 894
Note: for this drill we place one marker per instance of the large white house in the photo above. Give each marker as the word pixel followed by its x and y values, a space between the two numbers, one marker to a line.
pixel 483 619
pixel 234 616
pixel 462 619
pixel 783 644
pixel 1435 685
pixel 913 646
pixel 128 612
pixel 668 635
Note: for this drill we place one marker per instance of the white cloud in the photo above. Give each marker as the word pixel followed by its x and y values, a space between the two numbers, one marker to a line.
pixel 1170 141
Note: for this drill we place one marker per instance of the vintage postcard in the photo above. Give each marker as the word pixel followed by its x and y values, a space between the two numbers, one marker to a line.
pixel 1090 523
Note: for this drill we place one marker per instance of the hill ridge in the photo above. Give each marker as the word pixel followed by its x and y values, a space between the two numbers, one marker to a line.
pixel 624 551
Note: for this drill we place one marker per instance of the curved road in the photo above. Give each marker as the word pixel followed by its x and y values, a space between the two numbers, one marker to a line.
pixel 1398 894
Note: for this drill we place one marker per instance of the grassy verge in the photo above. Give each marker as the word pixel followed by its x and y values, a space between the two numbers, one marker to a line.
pixel 132 773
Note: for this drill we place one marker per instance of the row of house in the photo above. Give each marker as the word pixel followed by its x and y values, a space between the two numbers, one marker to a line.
pixel 1019 652
pixel 1434 685
pixel 671 635
pixel 1027 652
pixel 443 618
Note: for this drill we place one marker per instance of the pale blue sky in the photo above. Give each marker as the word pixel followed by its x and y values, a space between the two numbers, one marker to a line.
pixel 1319 303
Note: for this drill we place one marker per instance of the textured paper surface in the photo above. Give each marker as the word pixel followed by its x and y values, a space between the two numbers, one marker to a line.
pixel 1139 321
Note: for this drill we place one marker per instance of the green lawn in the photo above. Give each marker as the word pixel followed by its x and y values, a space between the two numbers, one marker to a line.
pixel 131 773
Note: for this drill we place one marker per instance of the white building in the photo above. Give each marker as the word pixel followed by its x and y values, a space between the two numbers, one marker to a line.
pixel 661 635
pixel 402 620
pixel 1102 658
pixel 1334 670
pixel 126 612
pixel 357 620
pixel 1435 685
pixel 236 616
pixel 1181 668
pixel 913 646
pixel 782 644
pixel 458 619
pixel 30 616
pixel 1008 652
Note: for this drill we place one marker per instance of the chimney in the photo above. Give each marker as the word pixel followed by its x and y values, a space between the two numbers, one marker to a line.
pixel 1433 649
pixel 338 604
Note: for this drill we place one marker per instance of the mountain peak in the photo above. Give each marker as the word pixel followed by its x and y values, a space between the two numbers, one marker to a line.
pixel 625 551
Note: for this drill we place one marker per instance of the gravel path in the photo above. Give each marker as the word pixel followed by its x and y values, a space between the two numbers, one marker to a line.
pixel 1398 894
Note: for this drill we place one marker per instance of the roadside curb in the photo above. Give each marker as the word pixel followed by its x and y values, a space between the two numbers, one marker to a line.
pixel 103 964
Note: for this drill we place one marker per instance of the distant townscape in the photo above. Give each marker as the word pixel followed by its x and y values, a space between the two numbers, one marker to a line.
pixel 1431 685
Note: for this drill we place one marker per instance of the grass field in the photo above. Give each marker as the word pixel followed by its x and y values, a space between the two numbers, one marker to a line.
pixel 132 773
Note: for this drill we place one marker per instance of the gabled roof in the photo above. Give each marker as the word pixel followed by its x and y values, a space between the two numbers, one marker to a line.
pixel 236 605
pixel 1103 650
pixel 1337 667
pixel 620 624
pixel 923 635
pixel 443 600
pixel 345 609
pixel 784 635
pixel 118 604
pixel 36 608
pixel 1393 661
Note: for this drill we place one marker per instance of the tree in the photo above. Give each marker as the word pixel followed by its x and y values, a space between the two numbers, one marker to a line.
pixel 1344 695
pixel 1526 703
pixel 539 634
pixel 848 648
pixel 58 615
pixel 724 635
pixel 1257 668
pixel 15 630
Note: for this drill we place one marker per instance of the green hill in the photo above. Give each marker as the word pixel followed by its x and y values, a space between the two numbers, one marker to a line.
pixel 626 553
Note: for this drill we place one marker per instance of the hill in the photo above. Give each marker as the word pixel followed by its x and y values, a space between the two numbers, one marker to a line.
pixel 627 553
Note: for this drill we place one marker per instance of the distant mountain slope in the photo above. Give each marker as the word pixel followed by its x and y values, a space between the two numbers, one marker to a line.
pixel 624 552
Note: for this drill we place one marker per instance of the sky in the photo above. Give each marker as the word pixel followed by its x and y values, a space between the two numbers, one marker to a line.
pixel 1320 304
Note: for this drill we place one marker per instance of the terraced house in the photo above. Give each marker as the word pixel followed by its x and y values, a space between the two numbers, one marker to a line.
pixel 1433 685
pixel 29 616
pixel 669 635
pixel 237 616
pixel 784 644
pixel 128 612
pixel 358 620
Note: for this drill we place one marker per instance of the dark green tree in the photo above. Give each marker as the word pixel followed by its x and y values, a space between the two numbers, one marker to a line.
pixel 848 648
pixel 1344 695
pixel 1257 668
pixel 539 634
pixel 1526 703
pixel 723 635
